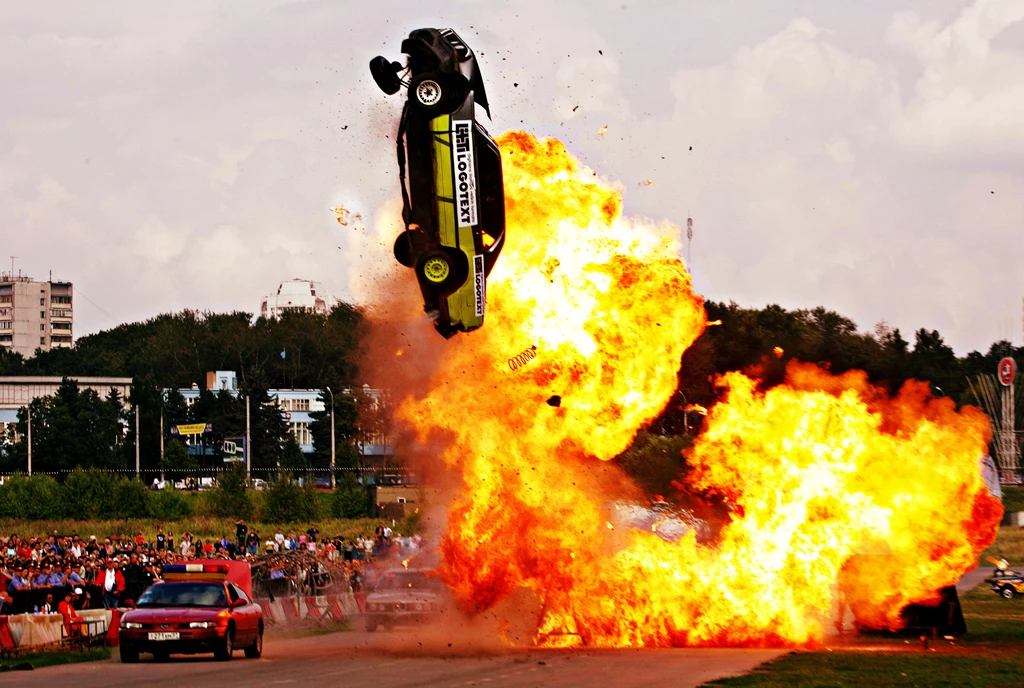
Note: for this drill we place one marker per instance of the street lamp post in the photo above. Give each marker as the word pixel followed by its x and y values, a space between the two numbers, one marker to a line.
pixel 28 409
pixel 333 484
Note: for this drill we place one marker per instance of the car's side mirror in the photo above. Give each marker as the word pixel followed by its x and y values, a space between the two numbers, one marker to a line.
pixel 238 603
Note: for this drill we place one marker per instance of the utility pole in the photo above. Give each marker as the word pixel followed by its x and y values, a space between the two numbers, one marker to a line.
pixel 333 483
pixel 136 441
pixel 29 410
pixel 161 440
pixel 248 450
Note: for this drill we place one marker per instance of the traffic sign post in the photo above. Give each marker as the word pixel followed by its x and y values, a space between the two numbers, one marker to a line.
pixel 1007 371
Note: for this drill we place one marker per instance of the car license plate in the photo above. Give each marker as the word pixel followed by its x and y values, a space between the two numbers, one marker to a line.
pixel 164 636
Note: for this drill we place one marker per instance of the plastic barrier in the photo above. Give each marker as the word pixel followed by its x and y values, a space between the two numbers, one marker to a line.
pixel 290 612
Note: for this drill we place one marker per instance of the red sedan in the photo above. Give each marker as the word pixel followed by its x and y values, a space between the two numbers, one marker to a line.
pixel 197 608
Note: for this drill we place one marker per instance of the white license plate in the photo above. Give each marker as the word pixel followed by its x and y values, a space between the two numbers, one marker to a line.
pixel 164 636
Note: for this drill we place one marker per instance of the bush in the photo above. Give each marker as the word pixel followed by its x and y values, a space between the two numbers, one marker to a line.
pixel 35 498
pixel 89 494
pixel 231 497
pixel 168 505
pixel 349 499
pixel 286 502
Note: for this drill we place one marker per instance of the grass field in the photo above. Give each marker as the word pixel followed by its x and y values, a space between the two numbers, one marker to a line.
pixel 1013 498
pixel 45 659
pixel 990 655
pixel 201 527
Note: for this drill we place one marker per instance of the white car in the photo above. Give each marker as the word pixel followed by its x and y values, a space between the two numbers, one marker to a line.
pixel 403 597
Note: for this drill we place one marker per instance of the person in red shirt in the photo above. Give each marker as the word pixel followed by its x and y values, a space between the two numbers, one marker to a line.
pixel 111 584
pixel 67 610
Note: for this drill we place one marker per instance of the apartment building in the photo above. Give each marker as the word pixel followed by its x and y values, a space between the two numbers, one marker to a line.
pixel 34 315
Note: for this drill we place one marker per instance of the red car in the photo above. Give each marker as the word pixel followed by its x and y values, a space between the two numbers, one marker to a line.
pixel 198 607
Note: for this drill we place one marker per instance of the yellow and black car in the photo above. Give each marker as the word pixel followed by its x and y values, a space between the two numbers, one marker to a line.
pixel 1006 583
pixel 450 172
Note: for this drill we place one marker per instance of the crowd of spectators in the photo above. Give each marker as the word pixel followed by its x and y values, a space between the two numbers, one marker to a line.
pixel 41 574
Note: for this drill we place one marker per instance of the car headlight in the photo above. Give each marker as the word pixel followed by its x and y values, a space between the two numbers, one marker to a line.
pixel 202 624
pixel 131 624
pixel 419 607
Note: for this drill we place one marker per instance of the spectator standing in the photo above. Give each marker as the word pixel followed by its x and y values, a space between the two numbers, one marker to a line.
pixel 111 583
pixel 161 540
pixel 241 530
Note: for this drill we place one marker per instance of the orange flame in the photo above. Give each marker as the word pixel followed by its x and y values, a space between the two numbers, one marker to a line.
pixel 697 408
pixel 819 469
pixel 778 351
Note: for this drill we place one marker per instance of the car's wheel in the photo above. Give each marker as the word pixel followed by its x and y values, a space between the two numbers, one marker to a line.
pixel 255 651
pixel 129 655
pixel 1007 592
pixel 428 92
pixel 406 248
pixel 442 268
pixel 161 656
pixel 227 646
pixel 371 625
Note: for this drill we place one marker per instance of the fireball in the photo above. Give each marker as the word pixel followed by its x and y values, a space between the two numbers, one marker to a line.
pixel 819 469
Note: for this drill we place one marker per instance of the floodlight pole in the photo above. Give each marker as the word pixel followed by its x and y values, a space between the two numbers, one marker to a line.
pixel 333 484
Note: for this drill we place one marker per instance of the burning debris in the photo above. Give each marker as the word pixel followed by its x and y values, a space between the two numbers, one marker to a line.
pixel 815 469
pixel 554 400
pixel 519 360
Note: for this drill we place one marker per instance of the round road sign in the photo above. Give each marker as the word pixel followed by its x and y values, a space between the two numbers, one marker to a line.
pixel 1007 371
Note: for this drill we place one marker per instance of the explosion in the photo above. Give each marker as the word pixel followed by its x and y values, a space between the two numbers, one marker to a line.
pixel 593 310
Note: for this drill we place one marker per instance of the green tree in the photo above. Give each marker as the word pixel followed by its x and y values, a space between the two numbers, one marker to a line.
pixel 346 430
pixel 231 497
pixel 292 458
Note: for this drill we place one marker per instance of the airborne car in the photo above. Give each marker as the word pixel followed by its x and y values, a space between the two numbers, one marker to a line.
pixel 454 206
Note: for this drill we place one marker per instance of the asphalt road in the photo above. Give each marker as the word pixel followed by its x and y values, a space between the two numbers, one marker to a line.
pixel 386 660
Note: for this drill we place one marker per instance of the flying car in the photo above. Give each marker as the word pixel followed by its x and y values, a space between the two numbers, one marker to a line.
pixel 453 201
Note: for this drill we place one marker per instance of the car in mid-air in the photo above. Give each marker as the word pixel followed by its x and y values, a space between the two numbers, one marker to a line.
pixel 454 206
pixel 198 607
pixel 403 597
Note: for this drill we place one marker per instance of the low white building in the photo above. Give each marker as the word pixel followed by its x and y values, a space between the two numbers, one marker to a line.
pixel 298 295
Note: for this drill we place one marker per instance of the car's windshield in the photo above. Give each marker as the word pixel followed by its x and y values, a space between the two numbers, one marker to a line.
pixel 408 580
pixel 184 595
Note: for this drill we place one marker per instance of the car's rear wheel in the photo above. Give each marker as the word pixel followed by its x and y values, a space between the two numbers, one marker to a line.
pixel 407 245
pixel 129 655
pixel 227 647
pixel 255 651
pixel 442 268
pixel 1007 592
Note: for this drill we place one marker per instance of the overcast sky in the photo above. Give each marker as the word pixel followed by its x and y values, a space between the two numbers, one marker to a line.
pixel 865 156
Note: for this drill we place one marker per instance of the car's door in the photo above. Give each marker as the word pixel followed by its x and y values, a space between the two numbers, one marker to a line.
pixel 242 630
pixel 250 612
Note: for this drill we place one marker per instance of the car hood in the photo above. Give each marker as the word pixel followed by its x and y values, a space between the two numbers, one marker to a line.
pixel 396 597
pixel 171 614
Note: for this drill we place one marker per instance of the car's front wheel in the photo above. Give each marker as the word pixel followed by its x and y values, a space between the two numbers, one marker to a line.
pixel 129 655
pixel 428 92
pixel 227 647
pixel 1007 592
